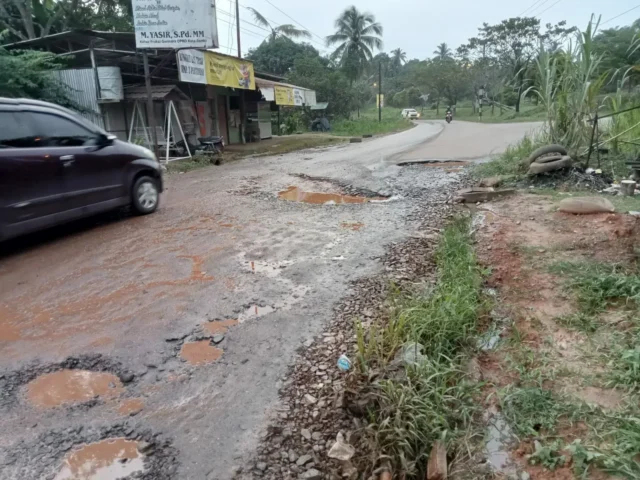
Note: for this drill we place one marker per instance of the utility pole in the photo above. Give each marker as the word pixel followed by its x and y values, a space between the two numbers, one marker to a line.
pixel 380 92
pixel 242 115
pixel 150 113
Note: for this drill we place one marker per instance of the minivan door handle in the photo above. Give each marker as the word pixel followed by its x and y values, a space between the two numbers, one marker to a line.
pixel 67 160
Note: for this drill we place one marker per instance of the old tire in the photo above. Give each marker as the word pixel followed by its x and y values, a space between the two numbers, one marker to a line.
pixel 145 195
pixel 546 150
pixel 538 168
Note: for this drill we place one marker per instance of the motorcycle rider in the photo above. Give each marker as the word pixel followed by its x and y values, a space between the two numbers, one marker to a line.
pixel 449 114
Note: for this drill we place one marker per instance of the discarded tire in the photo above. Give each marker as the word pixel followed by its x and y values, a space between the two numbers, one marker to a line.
pixel 559 149
pixel 367 135
pixel 586 205
pixel 355 140
pixel 537 168
pixel 548 158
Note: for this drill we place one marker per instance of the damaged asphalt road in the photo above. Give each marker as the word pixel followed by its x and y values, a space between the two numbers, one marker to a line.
pixel 169 336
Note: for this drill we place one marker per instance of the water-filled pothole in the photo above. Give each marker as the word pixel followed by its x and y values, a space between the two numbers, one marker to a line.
pixel 200 352
pixel 296 194
pixel 131 406
pixel 218 327
pixel 106 460
pixel 65 387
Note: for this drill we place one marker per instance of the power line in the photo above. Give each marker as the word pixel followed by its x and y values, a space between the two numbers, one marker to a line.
pixel 623 13
pixel 230 38
pixel 549 8
pixel 532 7
pixel 290 17
pixel 246 21
pixel 246 30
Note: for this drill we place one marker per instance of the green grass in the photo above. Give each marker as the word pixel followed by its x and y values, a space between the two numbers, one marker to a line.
pixel 434 399
pixel 598 285
pixel 511 162
pixel 368 123
pixel 581 321
pixel 532 410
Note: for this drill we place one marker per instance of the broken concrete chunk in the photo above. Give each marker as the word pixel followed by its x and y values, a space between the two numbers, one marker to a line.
pixel 479 194
pixel 310 399
pixel 311 474
pixel 437 466
pixel 341 450
pixel 586 205
pixel 491 181
pixel 303 460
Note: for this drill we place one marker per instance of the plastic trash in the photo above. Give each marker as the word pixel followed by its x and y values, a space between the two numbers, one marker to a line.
pixel 344 364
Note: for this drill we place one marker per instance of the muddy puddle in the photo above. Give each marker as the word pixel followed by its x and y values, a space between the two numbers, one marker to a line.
pixel 131 406
pixel 109 459
pixel 296 194
pixel 355 226
pixel 255 311
pixel 219 326
pixel 499 438
pixel 66 387
pixel 200 352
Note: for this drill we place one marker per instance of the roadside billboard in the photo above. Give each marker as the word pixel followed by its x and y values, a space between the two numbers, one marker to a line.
pixel 196 66
pixel 284 96
pixel 175 23
pixel 229 71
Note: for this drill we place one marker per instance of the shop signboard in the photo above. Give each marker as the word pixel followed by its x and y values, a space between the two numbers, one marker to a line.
pixel 174 24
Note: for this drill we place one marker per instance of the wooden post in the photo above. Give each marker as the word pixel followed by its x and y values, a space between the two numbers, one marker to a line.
pixel 150 113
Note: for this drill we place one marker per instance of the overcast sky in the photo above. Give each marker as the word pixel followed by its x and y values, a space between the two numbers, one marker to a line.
pixel 416 26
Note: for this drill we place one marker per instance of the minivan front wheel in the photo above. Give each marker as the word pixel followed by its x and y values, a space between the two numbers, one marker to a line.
pixel 145 195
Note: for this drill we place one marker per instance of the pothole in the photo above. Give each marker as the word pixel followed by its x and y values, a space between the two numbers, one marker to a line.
pixel 66 387
pixel 106 460
pixel 131 406
pixel 89 452
pixel 255 311
pixel 435 163
pixel 219 327
pixel 75 382
pixel 200 352
pixel 296 194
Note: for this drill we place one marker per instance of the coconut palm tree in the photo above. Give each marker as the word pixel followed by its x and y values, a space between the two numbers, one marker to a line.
pixel 398 57
pixel 442 52
pixel 357 34
pixel 286 30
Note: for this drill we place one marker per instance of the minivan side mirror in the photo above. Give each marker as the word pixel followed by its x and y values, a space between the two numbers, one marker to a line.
pixel 104 140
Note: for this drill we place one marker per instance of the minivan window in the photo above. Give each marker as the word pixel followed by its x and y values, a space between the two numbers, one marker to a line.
pixel 58 131
pixel 16 131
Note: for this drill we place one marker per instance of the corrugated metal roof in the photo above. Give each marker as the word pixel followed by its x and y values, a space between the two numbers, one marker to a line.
pixel 158 92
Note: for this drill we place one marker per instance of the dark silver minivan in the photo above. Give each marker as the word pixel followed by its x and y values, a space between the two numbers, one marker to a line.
pixel 56 167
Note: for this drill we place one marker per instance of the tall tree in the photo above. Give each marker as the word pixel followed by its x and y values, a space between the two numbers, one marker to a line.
pixel 357 35
pixel 286 30
pixel 278 55
pixel 442 52
pixel 398 58
pixel 514 43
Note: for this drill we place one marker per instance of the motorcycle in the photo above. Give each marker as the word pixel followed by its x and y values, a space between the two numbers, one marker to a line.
pixel 213 146
pixel 449 117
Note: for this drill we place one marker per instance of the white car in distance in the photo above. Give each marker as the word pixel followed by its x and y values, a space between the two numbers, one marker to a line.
pixel 410 113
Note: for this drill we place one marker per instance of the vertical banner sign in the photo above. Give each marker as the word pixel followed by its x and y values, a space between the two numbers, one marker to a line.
pixel 298 97
pixel 191 67
pixel 175 23
pixel 284 96
pixel 379 100
pixel 229 71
